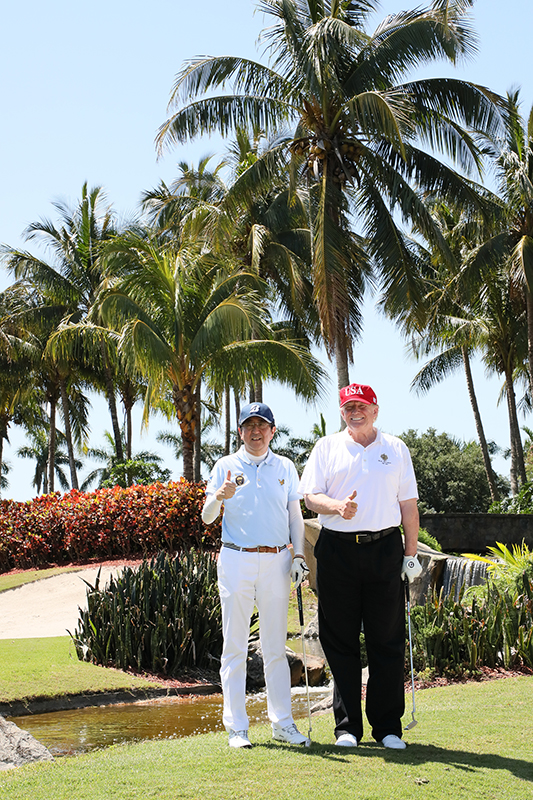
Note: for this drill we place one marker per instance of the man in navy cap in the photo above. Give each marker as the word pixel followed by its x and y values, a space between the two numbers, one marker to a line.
pixel 362 485
pixel 262 516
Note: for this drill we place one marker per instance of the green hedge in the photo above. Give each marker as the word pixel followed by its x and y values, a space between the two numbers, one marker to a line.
pixel 78 527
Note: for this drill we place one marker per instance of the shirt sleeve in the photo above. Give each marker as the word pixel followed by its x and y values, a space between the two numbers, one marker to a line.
pixel 313 478
pixel 216 478
pixel 407 488
pixel 293 491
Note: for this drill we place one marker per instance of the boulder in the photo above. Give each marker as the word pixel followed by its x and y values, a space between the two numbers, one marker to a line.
pixel 18 747
pixel 255 676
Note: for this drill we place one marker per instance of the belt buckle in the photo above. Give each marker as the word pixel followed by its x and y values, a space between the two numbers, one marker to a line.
pixel 357 535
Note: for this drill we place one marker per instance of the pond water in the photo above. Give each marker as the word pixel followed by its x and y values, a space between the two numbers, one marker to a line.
pixel 80 730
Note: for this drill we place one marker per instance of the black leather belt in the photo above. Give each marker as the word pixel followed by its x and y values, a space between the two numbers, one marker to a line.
pixel 361 537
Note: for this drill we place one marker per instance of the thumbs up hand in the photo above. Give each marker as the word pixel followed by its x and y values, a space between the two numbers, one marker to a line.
pixel 227 489
pixel 348 507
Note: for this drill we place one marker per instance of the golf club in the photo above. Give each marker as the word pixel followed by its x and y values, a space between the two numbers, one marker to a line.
pixel 407 597
pixel 301 613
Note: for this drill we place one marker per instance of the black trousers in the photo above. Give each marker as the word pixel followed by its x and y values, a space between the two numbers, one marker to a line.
pixel 361 583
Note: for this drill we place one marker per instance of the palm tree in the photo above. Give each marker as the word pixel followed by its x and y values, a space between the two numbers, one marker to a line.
pixel 355 129
pixel 22 388
pixel 263 227
pixel 143 467
pixel 512 240
pixel 447 332
pixel 74 278
pixel 179 313
pixel 39 451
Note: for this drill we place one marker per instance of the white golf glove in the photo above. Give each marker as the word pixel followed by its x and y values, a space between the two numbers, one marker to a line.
pixel 411 568
pixel 299 570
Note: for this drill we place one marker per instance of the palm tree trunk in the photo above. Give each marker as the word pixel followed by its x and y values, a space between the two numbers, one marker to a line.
pixel 186 414
pixel 258 389
pixel 529 310
pixel 479 427
pixel 52 446
pixel 129 434
pixel 518 469
pixel 112 404
pixel 198 435
pixel 1 450
pixel 237 411
pixel 227 420
pixel 68 435
pixel 341 362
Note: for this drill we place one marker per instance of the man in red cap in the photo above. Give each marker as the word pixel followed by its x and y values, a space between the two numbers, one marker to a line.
pixel 362 485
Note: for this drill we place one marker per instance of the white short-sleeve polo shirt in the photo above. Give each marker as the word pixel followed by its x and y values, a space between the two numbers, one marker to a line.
pixel 382 474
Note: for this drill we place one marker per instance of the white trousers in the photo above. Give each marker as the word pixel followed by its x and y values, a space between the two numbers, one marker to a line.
pixel 245 580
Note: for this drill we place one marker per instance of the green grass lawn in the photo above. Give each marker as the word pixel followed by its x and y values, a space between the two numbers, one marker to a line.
pixel 14 579
pixel 48 668
pixel 473 742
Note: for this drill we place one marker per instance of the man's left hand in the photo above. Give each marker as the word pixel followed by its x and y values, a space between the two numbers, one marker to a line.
pixel 411 568
pixel 299 570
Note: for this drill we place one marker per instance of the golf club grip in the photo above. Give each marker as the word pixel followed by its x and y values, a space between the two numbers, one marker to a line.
pixel 300 605
pixel 407 591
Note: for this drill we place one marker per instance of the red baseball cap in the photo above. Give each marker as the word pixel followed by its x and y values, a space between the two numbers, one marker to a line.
pixel 359 392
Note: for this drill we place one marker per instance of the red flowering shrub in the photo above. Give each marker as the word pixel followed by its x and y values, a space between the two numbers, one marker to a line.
pixel 109 523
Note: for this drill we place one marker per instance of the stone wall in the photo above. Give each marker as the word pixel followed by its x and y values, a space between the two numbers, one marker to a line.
pixel 473 533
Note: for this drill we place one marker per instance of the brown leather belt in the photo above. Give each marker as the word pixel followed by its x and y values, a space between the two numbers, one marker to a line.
pixel 258 549
pixel 361 537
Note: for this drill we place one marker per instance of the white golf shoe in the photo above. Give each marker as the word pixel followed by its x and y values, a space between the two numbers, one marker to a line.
pixel 290 734
pixel 346 740
pixel 393 742
pixel 239 739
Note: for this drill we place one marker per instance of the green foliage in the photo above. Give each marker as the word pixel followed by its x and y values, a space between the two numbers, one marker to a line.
pixel 135 471
pixel 109 523
pixel 450 474
pixel 426 538
pixel 453 638
pixel 162 617
pixel 521 503
pixel 507 566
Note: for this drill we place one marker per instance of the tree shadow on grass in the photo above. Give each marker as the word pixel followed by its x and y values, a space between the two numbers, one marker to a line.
pixel 417 754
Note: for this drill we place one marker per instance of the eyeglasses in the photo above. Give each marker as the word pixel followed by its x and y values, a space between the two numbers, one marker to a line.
pixel 249 426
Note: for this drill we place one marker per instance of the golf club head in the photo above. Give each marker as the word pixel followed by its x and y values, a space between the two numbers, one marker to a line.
pixel 411 724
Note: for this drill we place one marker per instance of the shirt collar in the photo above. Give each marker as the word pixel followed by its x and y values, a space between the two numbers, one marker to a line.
pixel 347 436
pixel 243 455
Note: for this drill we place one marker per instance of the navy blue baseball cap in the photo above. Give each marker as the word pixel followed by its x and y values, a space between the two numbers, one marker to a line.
pixel 256 410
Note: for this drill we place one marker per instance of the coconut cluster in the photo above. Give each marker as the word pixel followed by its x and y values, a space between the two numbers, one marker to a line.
pixel 341 156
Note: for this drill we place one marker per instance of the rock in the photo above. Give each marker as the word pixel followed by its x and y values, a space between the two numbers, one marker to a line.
pixel 315 670
pixel 18 747
pixel 311 632
pixel 255 676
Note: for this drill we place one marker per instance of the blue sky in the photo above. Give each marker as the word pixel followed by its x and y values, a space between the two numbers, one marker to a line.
pixel 84 88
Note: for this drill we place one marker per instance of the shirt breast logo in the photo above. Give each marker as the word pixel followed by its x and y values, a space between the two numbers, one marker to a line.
pixel 239 479
pixel 384 459
pixel 281 482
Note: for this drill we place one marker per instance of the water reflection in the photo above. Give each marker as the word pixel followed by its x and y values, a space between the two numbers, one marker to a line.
pixel 80 730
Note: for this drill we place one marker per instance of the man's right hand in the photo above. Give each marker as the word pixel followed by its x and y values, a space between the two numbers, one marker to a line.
pixel 227 489
pixel 348 508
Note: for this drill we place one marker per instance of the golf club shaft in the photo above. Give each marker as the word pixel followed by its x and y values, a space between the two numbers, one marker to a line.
pixel 301 614
pixel 408 598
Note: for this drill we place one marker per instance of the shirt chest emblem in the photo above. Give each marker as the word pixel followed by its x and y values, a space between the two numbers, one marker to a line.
pixel 281 482
pixel 239 479
pixel 384 459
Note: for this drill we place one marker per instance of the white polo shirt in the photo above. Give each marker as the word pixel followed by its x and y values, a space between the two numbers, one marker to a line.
pixel 258 512
pixel 382 474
